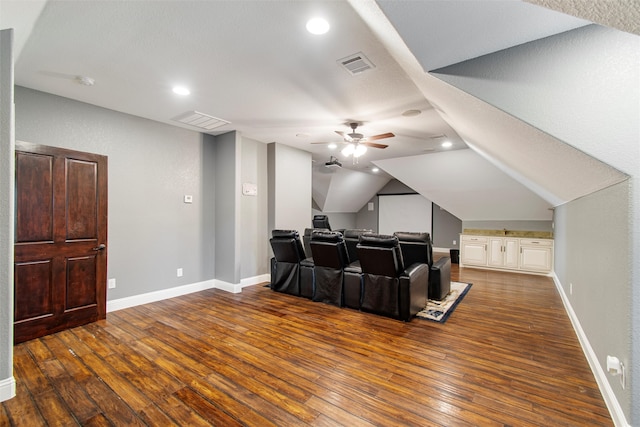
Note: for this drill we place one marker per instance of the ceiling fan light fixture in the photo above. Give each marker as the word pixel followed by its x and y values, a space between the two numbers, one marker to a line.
pixel 348 150
pixel 359 150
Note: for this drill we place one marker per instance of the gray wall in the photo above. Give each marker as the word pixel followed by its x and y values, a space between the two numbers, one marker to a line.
pixel 208 242
pixel 593 252
pixel 289 199
pixel 254 233
pixel 446 229
pixel 152 166
pixel 7 382
pixel 227 169
pixel 368 219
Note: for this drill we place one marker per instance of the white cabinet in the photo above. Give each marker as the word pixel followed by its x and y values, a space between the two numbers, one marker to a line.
pixel 536 254
pixel 507 253
pixel 473 250
pixel 503 252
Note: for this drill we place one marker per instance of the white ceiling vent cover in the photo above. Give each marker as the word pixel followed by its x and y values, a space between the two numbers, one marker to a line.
pixel 356 63
pixel 200 120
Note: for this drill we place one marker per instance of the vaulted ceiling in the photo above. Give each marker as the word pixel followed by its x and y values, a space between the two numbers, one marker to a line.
pixel 516 87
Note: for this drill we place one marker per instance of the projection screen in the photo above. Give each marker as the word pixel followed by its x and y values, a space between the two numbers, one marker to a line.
pixel 406 212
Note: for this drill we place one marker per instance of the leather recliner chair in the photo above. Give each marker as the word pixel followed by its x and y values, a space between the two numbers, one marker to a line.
pixel 352 238
pixel 352 292
pixel 388 288
pixel 285 264
pixel 330 258
pixel 416 247
pixel 321 221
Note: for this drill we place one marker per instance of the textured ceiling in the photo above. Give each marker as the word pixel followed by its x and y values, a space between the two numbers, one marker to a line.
pixel 252 63
pixel 621 14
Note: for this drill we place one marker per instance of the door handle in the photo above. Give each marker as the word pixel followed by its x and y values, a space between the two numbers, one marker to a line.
pixel 100 247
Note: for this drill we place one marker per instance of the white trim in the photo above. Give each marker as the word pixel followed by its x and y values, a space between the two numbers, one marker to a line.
pixel 121 303
pixel 7 388
pixel 617 415
pixel 237 288
pixel 434 249
pixel 234 288
pixel 132 301
pixel 255 280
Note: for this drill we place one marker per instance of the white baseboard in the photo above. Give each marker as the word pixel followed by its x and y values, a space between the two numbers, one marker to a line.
pixel 121 303
pixel 7 388
pixel 617 415
pixel 442 249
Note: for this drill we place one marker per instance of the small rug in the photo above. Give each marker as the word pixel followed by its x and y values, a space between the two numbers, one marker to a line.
pixel 439 311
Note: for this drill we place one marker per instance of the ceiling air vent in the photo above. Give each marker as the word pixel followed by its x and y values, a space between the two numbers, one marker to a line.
pixel 200 120
pixel 356 64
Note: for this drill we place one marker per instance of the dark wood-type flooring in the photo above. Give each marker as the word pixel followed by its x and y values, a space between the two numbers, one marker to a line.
pixel 507 356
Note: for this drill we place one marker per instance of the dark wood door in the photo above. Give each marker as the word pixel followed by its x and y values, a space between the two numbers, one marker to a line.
pixel 60 240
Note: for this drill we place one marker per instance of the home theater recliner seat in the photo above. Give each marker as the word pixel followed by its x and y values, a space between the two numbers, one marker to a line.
pixel 353 272
pixel 330 258
pixel 388 288
pixel 288 253
pixel 416 247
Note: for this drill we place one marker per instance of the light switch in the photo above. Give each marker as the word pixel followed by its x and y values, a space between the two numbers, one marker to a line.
pixel 188 198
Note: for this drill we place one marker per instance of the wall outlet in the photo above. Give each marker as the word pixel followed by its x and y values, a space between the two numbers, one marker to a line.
pixel 188 198
pixel 112 283
pixel 455 242
pixel 179 272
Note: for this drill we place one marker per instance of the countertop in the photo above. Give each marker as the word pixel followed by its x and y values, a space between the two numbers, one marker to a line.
pixel 510 233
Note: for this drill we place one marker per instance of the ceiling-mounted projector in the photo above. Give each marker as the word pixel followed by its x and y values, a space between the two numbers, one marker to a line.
pixel 333 163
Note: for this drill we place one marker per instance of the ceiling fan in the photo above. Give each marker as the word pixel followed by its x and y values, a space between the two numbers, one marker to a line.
pixel 357 143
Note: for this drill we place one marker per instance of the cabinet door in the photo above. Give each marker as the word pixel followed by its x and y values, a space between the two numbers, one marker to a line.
pixel 496 252
pixel 474 253
pixel 511 253
pixel 535 258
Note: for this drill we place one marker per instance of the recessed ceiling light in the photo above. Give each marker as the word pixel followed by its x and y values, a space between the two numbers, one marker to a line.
pixel 375 170
pixel 181 90
pixel 303 135
pixel 332 146
pixel 317 26
pixel 411 113
pixel 446 144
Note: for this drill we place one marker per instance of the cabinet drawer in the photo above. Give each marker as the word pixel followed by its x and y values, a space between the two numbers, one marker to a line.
pixel 476 239
pixel 536 242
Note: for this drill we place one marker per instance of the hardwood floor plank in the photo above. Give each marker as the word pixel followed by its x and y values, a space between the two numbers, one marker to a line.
pixel 22 410
pixel 207 410
pixel 184 414
pixel 507 356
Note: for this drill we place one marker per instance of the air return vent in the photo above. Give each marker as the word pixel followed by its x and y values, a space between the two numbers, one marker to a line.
pixel 200 120
pixel 356 64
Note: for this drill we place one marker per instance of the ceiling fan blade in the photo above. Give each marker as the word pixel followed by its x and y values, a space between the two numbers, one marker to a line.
pixel 381 136
pixel 374 145
pixel 344 135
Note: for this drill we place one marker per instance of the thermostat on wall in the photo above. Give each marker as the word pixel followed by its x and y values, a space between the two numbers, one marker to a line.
pixel 249 189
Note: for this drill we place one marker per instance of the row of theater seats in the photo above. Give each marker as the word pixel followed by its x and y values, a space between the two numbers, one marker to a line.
pixel 388 275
